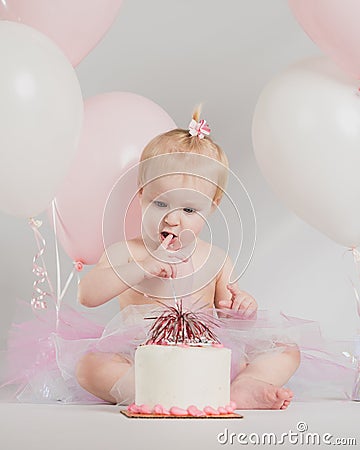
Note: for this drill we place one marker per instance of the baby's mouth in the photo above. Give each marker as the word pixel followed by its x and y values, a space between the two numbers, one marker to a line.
pixel 165 234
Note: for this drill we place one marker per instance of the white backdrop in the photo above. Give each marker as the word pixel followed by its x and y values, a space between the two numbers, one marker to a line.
pixel 178 53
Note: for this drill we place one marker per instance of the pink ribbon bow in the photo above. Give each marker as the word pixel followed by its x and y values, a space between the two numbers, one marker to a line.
pixel 200 129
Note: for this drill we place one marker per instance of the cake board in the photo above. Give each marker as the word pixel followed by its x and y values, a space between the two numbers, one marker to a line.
pixel 132 415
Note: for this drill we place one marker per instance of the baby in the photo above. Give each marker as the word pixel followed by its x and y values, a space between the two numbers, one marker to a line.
pixel 182 176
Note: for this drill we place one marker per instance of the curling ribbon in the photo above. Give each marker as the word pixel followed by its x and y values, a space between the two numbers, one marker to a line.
pixel 37 301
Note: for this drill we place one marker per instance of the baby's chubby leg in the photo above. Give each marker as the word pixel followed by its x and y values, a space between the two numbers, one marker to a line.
pixel 258 386
pixel 97 372
pixel 275 367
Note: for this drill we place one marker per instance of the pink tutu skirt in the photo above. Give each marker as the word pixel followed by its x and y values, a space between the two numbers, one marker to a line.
pixel 42 353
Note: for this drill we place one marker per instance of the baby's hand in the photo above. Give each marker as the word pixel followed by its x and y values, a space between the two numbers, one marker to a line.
pixel 162 262
pixel 240 301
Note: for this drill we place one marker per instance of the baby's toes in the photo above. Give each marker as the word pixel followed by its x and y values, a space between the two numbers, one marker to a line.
pixel 286 395
pixel 281 397
pixel 282 394
pixel 285 404
pixel 290 393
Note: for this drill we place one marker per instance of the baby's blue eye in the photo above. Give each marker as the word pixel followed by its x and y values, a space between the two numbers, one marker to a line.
pixel 189 210
pixel 160 204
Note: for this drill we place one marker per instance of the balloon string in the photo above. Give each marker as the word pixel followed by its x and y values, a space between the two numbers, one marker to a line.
pixel 78 265
pixel 355 395
pixel 173 292
pixel 70 277
pixel 39 295
pixel 356 256
pixel 58 269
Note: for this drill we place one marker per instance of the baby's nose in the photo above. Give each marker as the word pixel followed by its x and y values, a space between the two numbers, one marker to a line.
pixel 173 217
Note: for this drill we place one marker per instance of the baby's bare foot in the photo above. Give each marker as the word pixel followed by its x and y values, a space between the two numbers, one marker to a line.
pixel 250 393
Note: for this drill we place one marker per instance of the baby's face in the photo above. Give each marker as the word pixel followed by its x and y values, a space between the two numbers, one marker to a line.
pixel 173 204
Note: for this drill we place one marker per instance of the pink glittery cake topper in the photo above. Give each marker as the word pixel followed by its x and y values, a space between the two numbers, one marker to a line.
pixel 179 326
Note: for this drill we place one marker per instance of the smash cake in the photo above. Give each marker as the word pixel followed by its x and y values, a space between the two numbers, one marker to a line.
pixel 182 369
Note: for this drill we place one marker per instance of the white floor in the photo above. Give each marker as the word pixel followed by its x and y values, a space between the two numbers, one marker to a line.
pixel 102 427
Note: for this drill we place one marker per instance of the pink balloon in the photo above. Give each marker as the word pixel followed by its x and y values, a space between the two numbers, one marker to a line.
pixel 76 26
pixel 334 26
pixel 117 126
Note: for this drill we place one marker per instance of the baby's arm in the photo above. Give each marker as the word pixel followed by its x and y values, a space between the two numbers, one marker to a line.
pixel 230 296
pixel 105 281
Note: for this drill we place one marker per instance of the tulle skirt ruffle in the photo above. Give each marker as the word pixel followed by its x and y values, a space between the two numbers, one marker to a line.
pixel 42 353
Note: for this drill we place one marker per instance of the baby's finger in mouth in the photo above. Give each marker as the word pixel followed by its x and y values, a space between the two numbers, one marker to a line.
pixel 167 240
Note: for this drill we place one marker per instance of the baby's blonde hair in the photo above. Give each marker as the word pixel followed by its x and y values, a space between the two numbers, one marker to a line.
pixel 180 141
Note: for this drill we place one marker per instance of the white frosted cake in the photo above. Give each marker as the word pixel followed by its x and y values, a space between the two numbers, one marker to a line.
pixel 172 375
pixel 182 369
pixel 176 377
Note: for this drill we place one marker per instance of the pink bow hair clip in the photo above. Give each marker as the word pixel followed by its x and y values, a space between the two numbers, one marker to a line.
pixel 200 129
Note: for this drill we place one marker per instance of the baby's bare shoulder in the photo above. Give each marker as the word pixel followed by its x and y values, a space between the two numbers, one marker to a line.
pixel 210 256
pixel 122 252
pixel 211 249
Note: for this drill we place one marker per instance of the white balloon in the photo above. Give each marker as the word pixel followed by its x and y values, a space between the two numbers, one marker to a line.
pixel 306 137
pixel 41 112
